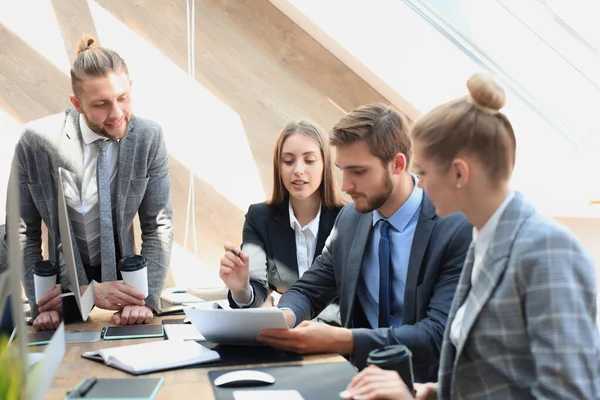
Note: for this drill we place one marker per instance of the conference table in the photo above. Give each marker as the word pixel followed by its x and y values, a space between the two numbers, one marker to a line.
pixel 178 384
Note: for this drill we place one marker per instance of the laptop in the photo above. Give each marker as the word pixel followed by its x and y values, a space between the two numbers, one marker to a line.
pixel 85 301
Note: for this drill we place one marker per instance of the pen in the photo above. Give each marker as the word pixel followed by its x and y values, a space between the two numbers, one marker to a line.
pixel 87 386
pixel 234 251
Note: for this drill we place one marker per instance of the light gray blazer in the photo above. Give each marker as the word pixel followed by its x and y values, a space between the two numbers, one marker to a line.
pixel 530 318
pixel 143 188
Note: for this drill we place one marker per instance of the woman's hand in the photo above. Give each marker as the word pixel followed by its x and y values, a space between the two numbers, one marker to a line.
pixel 235 273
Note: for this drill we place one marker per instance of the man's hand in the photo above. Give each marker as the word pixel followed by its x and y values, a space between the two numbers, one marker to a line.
pixel 131 315
pixel 116 295
pixel 374 383
pixel 426 391
pixel 47 321
pixel 310 337
pixel 51 301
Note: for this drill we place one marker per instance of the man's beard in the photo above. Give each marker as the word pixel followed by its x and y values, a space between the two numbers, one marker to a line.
pixel 380 198
pixel 102 132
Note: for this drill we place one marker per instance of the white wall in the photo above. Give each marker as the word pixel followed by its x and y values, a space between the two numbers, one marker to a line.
pixel 407 60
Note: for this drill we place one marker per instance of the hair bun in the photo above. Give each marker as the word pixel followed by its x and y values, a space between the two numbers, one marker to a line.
pixel 486 93
pixel 85 43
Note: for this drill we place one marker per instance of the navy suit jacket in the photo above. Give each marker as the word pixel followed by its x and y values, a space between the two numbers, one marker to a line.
pixel 436 259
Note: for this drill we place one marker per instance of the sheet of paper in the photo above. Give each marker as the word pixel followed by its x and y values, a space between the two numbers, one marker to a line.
pixel 82 337
pixel 267 395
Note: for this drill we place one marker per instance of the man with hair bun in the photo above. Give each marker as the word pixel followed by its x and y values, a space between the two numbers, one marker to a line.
pixel 117 167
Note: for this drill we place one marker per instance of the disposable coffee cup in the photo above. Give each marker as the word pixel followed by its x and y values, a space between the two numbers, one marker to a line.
pixel 397 358
pixel 44 277
pixel 135 272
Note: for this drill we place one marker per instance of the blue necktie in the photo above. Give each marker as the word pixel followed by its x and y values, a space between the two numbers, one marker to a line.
pixel 107 235
pixel 385 278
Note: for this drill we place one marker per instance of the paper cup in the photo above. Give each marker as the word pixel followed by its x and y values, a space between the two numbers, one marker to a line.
pixel 44 278
pixel 135 272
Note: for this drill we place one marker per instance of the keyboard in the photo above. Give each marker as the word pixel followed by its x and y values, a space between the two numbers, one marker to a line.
pixel 183 332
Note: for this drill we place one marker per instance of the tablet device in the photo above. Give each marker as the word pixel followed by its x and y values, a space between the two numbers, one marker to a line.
pixel 120 388
pixel 238 326
pixel 132 332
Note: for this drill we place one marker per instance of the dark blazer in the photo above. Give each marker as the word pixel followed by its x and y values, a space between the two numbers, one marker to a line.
pixel 273 260
pixel 436 259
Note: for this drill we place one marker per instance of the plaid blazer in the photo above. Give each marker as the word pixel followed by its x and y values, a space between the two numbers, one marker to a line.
pixel 143 188
pixel 530 317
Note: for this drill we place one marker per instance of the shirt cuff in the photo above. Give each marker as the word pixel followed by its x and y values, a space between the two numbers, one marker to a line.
pixel 242 305
pixel 293 313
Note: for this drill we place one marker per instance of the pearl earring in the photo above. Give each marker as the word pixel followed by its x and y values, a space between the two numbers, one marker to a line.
pixel 458 185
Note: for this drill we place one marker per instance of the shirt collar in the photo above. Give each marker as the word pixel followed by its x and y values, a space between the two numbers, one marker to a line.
pixel 312 225
pixel 402 217
pixel 483 237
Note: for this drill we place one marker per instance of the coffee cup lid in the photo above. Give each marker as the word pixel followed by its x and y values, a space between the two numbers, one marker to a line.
pixel 45 268
pixel 132 263
pixel 388 352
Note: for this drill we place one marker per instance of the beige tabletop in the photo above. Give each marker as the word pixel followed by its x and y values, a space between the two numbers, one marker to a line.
pixel 177 383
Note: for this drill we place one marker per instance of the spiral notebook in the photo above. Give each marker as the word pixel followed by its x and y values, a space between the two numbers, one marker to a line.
pixel 155 356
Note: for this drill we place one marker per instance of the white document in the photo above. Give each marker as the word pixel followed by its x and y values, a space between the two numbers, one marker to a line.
pixel 178 297
pixel 267 395
pixel 235 326
pixel 154 356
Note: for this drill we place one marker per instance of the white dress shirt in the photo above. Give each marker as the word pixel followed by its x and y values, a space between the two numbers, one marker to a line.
pixel 306 239
pixel 481 240
pixel 82 205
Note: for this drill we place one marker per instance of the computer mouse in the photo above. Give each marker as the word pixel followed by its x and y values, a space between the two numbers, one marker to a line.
pixel 243 378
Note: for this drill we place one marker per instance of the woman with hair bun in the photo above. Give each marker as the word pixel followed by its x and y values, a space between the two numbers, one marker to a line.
pixel 523 320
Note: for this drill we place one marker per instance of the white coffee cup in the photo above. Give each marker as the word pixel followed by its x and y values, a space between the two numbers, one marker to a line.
pixel 135 272
pixel 44 277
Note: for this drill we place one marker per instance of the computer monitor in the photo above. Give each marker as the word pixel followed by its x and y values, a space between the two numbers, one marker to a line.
pixel 37 369
pixel 85 301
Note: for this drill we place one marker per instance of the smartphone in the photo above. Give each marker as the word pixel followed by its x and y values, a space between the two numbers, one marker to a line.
pixel 132 332
pixel 39 338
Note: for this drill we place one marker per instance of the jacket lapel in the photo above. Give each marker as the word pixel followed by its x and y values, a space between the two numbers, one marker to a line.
pixel 124 170
pixel 355 261
pixel 448 353
pixel 494 265
pixel 281 235
pixel 70 147
pixel 65 150
pixel 426 223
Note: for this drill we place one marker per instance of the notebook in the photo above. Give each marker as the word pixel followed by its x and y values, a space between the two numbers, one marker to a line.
pixel 154 356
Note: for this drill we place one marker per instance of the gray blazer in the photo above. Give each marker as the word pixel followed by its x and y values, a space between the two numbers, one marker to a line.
pixel 530 318
pixel 143 188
